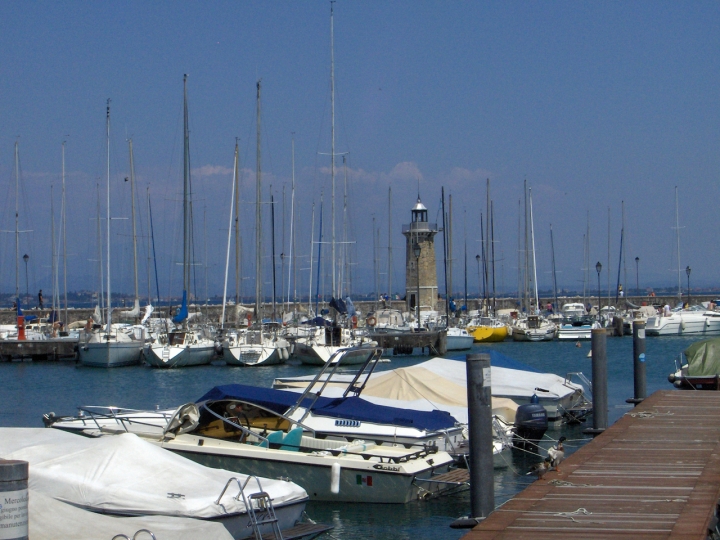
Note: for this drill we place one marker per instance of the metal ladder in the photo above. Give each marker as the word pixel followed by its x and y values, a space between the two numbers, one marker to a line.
pixel 259 507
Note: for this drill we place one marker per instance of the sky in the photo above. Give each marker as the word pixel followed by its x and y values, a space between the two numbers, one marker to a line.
pixel 600 107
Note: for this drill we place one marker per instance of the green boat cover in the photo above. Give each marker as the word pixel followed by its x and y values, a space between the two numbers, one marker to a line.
pixel 704 358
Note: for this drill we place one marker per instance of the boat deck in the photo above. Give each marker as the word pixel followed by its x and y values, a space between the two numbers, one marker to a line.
pixel 654 474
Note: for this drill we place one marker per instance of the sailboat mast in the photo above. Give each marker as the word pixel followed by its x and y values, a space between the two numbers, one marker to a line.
pixel 312 245
pixel 492 250
pixel 109 309
pixel 258 213
pixel 292 226
pixel 149 259
pixel 345 275
pixel 227 255
pixel 186 191
pixel 238 239
pixel 445 259
pixel 677 233
pixel 554 275
pixel 532 233
pixel 17 222
pixel 332 137
pixel 272 239
pixel 64 239
pixel 134 228
pixel 53 267
pixel 389 270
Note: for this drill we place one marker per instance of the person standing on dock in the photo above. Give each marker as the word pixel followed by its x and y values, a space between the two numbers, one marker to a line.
pixel 40 300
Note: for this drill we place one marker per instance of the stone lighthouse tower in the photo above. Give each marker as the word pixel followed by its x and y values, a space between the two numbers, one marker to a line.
pixel 420 265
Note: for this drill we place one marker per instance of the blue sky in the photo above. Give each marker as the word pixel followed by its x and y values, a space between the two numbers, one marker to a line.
pixel 592 103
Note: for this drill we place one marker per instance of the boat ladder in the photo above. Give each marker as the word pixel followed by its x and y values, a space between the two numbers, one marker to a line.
pixel 166 353
pixel 259 507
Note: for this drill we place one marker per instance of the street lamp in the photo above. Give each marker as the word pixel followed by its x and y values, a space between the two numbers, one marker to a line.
pixel 598 267
pixel 416 252
pixel 637 275
pixel 27 285
pixel 687 271
pixel 477 258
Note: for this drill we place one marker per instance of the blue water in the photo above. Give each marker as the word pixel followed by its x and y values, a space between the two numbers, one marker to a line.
pixel 28 390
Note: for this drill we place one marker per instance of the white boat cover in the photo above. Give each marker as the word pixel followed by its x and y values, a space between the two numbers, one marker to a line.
pixel 51 519
pixel 441 384
pixel 122 474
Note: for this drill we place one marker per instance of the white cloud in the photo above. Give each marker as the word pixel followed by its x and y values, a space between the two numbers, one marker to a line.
pixel 212 170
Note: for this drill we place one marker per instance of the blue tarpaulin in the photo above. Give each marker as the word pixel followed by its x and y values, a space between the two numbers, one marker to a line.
pixel 350 408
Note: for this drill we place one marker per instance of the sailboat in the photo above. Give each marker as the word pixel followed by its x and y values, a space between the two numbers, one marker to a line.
pixel 257 345
pixel 327 338
pixel 111 346
pixel 182 346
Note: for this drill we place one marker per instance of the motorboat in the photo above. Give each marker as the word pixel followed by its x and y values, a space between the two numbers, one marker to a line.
pixel 254 347
pixel 487 329
pixel 441 384
pixel 698 367
pixel 576 323
pixel 125 476
pixel 683 322
pixel 244 428
pixel 534 328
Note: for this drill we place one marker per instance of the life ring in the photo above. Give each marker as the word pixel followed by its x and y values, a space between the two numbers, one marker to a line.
pixel 371 321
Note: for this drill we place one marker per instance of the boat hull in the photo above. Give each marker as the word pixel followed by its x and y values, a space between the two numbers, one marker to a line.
pixel 488 334
pixel 254 355
pixel 318 355
pixel 683 325
pixel 168 356
pixel 111 354
pixel 356 484
pixel 459 343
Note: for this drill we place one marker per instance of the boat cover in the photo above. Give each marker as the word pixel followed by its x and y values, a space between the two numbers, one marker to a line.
pixel 441 383
pixel 350 408
pixel 51 519
pixel 122 474
pixel 703 358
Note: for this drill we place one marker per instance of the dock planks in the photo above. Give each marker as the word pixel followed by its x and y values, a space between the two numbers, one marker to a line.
pixel 654 474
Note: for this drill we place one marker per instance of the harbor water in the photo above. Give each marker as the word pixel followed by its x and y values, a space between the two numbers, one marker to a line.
pixel 28 390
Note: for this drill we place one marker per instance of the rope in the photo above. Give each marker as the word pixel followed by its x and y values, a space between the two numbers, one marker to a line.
pixel 648 414
pixel 565 483
pixel 569 515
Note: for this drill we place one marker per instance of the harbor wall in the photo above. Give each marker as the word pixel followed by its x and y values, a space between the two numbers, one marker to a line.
pixel 7 316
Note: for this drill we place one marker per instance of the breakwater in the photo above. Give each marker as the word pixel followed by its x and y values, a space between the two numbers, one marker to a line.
pixel 213 312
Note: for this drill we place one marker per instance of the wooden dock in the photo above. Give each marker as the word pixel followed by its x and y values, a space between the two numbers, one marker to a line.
pixel 654 474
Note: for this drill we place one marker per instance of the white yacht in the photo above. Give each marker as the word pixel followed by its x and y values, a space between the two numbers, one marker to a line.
pixel 684 322
pixel 534 328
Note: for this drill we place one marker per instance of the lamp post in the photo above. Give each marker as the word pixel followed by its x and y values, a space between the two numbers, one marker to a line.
pixel 477 258
pixel 598 267
pixel 416 252
pixel 637 275
pixel 26 257
pixel 687 271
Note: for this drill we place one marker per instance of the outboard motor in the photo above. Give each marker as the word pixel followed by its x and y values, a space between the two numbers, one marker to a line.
pixel 531 423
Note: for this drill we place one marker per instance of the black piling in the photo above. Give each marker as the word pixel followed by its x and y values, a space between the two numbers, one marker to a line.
pixel 479 397
pixel 599 382
pixel 639 362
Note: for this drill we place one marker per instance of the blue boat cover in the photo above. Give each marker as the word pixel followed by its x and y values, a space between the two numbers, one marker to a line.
pixel 500 360
pixel 350 408
pixel 182 313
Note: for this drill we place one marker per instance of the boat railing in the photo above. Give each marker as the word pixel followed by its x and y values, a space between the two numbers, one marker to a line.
pixel 120 416
pixel 584 381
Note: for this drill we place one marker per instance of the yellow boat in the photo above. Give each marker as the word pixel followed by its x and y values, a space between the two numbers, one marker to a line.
pixel 487 329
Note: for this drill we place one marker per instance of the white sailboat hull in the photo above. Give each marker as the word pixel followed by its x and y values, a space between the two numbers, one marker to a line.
pixel 110 354
pixel 172 356
pixel 254 355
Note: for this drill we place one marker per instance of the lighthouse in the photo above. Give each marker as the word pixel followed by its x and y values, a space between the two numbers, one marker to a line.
pixel 421 286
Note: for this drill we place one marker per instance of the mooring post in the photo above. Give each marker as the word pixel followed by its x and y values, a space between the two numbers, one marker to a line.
pixel 599 382
pixel 482 491
pixel 639 362
pixel 14 499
